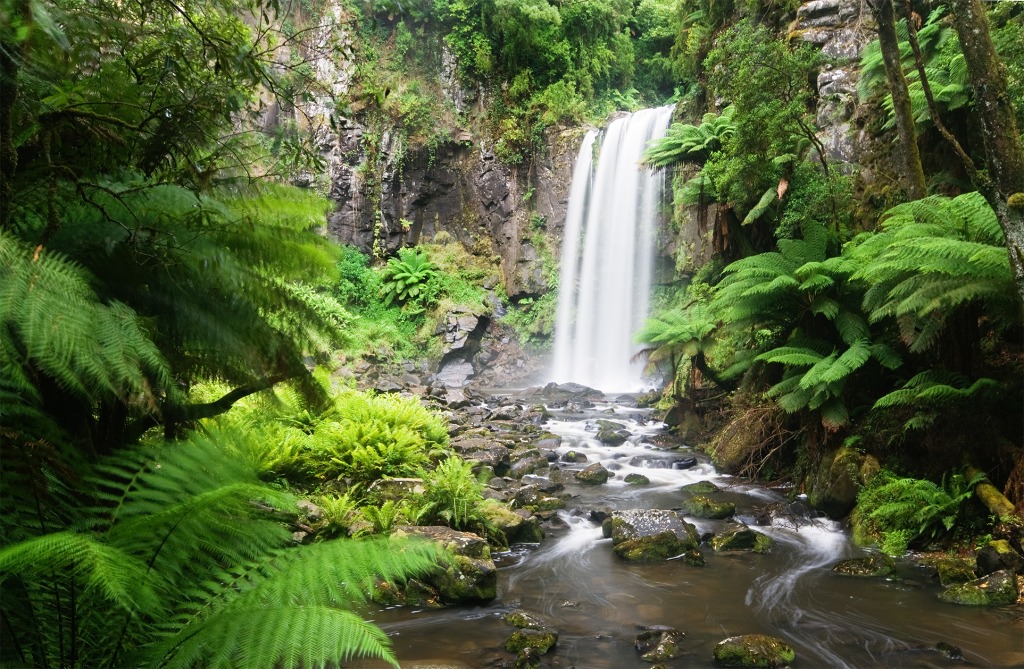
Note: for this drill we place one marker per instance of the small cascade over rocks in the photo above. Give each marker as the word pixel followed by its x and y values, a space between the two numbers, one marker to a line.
pixel 605 280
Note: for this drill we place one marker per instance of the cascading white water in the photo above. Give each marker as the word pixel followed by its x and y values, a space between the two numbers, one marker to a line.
pixel 605 281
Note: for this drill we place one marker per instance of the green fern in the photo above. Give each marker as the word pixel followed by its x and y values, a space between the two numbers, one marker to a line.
pixel 180 561
pixel 56 325
pixel 900 511
pixel 689 143
pixel 406 278
pixel 933 393
pixel 933 258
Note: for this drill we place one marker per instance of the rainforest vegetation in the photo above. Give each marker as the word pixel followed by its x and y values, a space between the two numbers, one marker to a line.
pixel 172 312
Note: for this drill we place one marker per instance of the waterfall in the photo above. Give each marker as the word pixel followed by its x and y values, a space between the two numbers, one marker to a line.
pixel 605 280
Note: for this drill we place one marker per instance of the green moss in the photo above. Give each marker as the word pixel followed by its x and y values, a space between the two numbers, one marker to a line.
pixel 540 640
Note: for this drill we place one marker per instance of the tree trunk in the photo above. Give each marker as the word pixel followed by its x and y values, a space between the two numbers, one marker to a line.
pixel 885 16
pixel 1004 155
pixel 10 51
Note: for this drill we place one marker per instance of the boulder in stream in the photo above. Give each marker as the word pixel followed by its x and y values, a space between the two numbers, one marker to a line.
pixel 611 433
pixel 996 589
pixel 658 643
pixel 739 537
pixel 999 555
pixel 468 576
pixel 754 650
pixel 875 564
pixel 594 474
pixel 652 535
pixel 702 506
pixel 541 640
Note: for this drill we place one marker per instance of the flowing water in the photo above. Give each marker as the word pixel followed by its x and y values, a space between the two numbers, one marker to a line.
pixel 595 601
pixel 606 261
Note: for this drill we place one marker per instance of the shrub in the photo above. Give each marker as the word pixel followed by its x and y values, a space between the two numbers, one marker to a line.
pixel 897 511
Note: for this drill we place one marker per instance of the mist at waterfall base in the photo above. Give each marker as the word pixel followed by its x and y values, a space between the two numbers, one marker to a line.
pixel 607 251
pixel 596 602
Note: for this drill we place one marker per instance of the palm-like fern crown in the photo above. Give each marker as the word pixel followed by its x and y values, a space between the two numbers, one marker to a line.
pixel 798 309
pixel 178 563
pixel 692 143
pixel 934 257
pixel 56 327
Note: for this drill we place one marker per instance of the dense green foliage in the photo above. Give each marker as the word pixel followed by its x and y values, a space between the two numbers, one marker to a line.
pixel 898 512
pixel 162 558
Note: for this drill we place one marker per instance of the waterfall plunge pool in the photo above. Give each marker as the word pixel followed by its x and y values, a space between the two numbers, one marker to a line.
pixel 595 601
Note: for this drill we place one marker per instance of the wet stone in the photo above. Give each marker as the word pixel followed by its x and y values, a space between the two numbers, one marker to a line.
pixel 996 589
pixel 658 643
pixel 702 506
pixel 595 474
pixel 871 565
pixel 754 650
pixel 700 488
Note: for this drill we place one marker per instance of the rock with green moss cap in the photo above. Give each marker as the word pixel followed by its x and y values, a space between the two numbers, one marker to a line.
pixel 541 640
pixel 870 565
pixel 996 589
pixel 611 433
pixel 754 650
pixel 658 643
pixel 739 537
pixel 700 488
pixel 595 474
pixel 834 485
pixel 999 555
pixel 702 506
pixel 524 620
pixel 469 575
pixel 652 535
pixel 955 570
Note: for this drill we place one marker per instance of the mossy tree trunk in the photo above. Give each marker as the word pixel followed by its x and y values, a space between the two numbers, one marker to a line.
pixel 1004 155
pixel 885 17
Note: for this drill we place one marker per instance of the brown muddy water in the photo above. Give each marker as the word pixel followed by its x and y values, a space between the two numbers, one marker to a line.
pixel 596 602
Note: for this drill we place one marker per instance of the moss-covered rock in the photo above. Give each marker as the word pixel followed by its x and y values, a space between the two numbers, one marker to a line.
pixel 700 488
pixel 702 506
pixel 523 620
pixel 996 589
pixel 871 565
pixel 651 548
pixel 541 640
pixel 595 474
pixel 611 433
pixel 834 486
pixel 741 538
pixel 468 575
pixel 955 570
pixel 754 650
pixel 656 644
pixel 999 555
pixel 652 535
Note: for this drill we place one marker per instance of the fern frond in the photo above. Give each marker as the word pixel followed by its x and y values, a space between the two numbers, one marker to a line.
pixel 288 637
pixel 120 579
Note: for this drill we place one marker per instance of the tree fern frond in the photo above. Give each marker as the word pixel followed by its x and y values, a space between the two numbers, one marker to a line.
pixel 287 637
pixel 120 579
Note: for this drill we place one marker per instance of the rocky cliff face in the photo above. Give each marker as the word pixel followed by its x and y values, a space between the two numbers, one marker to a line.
pixel 407 195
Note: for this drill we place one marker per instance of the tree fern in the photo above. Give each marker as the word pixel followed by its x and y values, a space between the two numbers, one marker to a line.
pixel 179 561
pixel 936 392
pixel 934 257
pixel 689 143
pixel 56 325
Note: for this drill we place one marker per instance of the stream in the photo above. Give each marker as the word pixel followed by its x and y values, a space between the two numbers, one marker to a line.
pixel 595 601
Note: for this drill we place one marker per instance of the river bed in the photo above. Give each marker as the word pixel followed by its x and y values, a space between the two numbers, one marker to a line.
pixel 595 601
